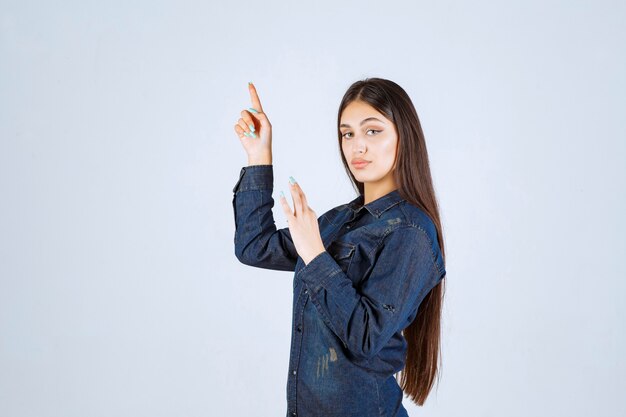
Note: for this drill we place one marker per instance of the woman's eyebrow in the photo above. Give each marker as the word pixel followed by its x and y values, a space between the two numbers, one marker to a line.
pixel 363 121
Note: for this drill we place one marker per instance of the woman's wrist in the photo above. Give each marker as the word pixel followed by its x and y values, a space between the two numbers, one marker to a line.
pixel 260 160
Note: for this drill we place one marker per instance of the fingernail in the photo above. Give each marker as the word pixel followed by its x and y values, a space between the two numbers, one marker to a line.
pixel 251 127
pixel 282 194
pixel 252 110
pixel 246 133
pixel 253 134
pixel 249 82
pixel 292 180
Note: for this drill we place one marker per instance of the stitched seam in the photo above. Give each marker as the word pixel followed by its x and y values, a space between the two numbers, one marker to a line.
pixel 387 208
pixel 432 254
pixel 258 212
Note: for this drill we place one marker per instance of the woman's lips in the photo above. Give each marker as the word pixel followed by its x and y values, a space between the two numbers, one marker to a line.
pixel 360 164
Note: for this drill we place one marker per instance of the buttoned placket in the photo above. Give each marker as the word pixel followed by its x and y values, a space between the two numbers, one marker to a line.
pixel 296 346
pixel 297 340
pixel 353 218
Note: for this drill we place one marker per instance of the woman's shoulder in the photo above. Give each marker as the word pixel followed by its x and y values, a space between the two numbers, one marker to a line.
pixel 414 216
pixel 407 215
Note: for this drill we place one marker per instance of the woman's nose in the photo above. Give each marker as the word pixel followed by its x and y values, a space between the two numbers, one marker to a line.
pixel 359 144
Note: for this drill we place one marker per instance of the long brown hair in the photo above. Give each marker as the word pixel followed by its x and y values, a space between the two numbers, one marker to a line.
pixel 415 185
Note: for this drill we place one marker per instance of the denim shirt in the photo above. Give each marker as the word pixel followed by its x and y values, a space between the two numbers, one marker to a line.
pixel 351 302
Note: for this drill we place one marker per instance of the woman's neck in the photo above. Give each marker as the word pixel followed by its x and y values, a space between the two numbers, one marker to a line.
pixel 374 191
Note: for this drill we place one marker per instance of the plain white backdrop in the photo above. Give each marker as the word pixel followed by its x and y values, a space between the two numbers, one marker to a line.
pixel 120 294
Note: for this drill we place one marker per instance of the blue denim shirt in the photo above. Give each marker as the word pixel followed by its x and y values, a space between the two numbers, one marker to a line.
pixel 351 302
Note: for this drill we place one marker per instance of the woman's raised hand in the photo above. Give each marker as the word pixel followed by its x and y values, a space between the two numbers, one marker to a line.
pixel 255 131
pixel 303 224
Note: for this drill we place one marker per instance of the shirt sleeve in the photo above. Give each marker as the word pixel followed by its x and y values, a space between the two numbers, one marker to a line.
pixel 257 241
pixel 366 319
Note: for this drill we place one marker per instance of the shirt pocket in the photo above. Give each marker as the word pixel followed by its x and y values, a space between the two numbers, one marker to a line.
pixel 342 253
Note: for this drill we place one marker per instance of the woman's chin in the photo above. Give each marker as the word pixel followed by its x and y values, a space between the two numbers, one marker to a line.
pixel 362 178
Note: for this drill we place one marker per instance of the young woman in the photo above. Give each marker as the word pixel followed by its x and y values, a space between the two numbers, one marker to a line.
pixel 367 288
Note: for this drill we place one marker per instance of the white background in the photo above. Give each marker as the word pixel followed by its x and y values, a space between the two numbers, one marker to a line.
pixel 120 294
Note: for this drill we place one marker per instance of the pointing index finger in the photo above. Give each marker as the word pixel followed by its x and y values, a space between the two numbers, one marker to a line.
pixel 256 102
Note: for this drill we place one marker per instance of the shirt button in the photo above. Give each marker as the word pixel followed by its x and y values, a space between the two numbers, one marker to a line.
pixel 306 290
pixel 293 414
pixel 294 372
pixel 299 328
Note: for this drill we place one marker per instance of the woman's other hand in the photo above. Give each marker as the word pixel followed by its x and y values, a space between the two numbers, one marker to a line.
pixel 255 131
pixel 303 224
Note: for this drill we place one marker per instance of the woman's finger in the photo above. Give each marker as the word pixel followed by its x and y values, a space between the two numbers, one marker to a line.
pixel 244 126
pixel 239 131
pixel 254 96
pixel 249 120
pixel 305 204
pixel 285 205
pixel 297 201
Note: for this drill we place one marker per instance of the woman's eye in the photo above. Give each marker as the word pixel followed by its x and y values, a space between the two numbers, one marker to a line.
pixel 369 130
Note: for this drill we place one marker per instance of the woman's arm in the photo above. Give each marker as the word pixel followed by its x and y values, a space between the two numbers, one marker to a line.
pixel 365 319
pixel 257 241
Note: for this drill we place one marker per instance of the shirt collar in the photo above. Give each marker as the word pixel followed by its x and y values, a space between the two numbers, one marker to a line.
pixel 378 206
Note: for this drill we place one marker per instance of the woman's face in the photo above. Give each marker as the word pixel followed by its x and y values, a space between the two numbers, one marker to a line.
pixel 369 135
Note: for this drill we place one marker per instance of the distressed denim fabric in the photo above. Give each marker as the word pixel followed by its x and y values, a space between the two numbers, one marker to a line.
pixel 351 302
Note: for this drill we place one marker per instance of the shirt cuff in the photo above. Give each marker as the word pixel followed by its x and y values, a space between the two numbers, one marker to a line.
pixel 255 177
pixel 318 272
